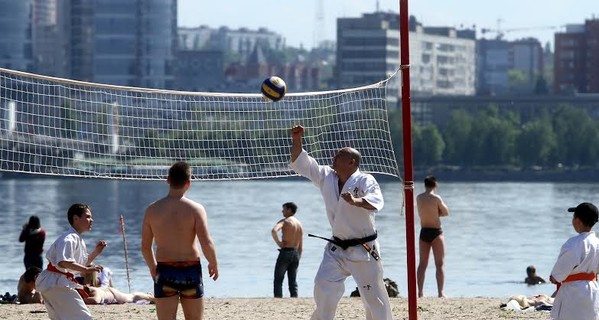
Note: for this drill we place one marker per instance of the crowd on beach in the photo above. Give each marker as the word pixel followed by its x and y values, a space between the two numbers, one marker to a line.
pixel 174 225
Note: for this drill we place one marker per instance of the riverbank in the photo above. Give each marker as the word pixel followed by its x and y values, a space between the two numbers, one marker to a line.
pixel 488 175
pixel 274 309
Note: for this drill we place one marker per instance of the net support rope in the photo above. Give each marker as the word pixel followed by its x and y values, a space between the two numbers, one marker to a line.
pixel 61 127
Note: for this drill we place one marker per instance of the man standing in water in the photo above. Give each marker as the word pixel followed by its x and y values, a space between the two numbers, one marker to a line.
pixel 290 249
pixel 430 210
pixel 174 223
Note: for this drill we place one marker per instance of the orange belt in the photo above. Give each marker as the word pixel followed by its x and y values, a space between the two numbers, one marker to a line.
pixel 579 276
pixel 69 276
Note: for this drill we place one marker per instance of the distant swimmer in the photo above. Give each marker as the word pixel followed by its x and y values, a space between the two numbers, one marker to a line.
pixel 430 209
pixel 531 276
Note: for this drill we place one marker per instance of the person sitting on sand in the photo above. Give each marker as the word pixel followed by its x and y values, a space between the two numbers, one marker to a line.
pixel 531 276
pixel 26 292
pixel 98 294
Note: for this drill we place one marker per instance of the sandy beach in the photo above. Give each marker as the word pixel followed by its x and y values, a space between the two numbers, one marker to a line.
pixel 289 309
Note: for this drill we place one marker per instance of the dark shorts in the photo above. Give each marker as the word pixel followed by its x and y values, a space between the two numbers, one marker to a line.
pixel 179 278
pixel 430 234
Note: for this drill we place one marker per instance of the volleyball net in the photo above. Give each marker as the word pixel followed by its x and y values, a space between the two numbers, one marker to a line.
pixel 62 127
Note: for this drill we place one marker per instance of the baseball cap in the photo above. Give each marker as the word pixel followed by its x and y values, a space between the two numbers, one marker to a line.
pixel 586 211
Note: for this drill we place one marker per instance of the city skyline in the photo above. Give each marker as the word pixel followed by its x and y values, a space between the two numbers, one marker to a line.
pixel 302 24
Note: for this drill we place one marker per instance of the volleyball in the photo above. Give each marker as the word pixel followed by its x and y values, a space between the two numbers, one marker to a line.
pixel 273 88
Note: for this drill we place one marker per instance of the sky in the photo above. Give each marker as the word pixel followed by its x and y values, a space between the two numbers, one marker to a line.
pixel 304 22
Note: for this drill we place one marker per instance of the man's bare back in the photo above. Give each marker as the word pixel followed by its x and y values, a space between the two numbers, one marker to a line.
pixel 175 223
pixel 292 233
pixel 430 209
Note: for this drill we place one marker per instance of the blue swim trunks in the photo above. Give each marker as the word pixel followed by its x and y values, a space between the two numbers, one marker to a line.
pixel 179 278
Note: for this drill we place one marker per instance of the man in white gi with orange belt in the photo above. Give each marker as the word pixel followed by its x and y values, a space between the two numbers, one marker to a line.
pixel 576 268
pixel 68 254
pixel 351 200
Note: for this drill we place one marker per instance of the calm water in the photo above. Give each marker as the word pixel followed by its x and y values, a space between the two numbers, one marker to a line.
pixel 494 231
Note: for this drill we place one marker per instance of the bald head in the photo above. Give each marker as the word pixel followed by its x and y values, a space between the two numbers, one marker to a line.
pixel 352 154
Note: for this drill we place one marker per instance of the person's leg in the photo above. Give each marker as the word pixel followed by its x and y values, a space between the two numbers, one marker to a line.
pixel 439 254
pixel 292 274
pixel 369 278
pixel 425 248
pixel 65 303
pixel 193 309
pixel 280 269
pixel 141 296
pixel 39 261
pixel 119 297
pixel 328 285
pixel 166 308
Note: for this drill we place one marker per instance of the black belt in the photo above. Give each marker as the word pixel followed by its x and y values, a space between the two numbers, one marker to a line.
pixel 344 244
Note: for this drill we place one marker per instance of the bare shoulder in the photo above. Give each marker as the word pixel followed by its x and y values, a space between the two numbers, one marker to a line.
pixel 195 207
pixel 427 196
pixel 154 205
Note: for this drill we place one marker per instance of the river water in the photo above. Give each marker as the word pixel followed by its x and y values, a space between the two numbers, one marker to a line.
pixel 494 230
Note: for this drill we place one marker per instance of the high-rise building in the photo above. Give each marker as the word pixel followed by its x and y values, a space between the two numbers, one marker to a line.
pixel 134 42
pixel 238 43
pixel 576 59
pixel 527 64
pixel 508 67
pixel 48 50
pixel 441 59
pixel 121 42
pixel 15 34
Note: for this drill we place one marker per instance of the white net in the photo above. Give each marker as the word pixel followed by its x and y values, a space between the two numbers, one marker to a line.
pixel 62 127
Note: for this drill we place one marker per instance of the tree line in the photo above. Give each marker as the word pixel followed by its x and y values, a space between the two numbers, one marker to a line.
pixel 565 137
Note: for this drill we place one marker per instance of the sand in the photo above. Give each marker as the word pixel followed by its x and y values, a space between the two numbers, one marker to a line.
pixel 288 309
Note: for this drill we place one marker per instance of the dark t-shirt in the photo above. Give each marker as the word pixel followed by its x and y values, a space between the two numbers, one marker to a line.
pixel 34 240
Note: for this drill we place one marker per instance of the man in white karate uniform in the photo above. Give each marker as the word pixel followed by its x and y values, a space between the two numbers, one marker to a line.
pixel 351 200
pixel 576 269
pixel 68 254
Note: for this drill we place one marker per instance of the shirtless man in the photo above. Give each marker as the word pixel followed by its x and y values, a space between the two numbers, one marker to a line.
pixel 26 292
pixel 430 209
pixel 176 223
pixel 290 249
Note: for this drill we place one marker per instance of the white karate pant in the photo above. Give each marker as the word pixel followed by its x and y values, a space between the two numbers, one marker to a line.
pixel 329 285
pixel 65 303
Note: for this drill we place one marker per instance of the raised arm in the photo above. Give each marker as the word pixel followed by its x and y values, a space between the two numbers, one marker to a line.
pixel 99 248
pixel 206 242
pixel 297 132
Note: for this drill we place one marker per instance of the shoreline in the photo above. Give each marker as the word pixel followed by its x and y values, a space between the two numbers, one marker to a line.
pixel 479 308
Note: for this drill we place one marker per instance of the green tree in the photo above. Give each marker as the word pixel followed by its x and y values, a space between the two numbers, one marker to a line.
pixel 456 136
pixel 576 137
pixel 536 142
pixel 517 79
pixel 493 138
pixel 428 145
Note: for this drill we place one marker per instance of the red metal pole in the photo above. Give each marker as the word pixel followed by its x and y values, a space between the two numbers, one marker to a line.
pixel 408 157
